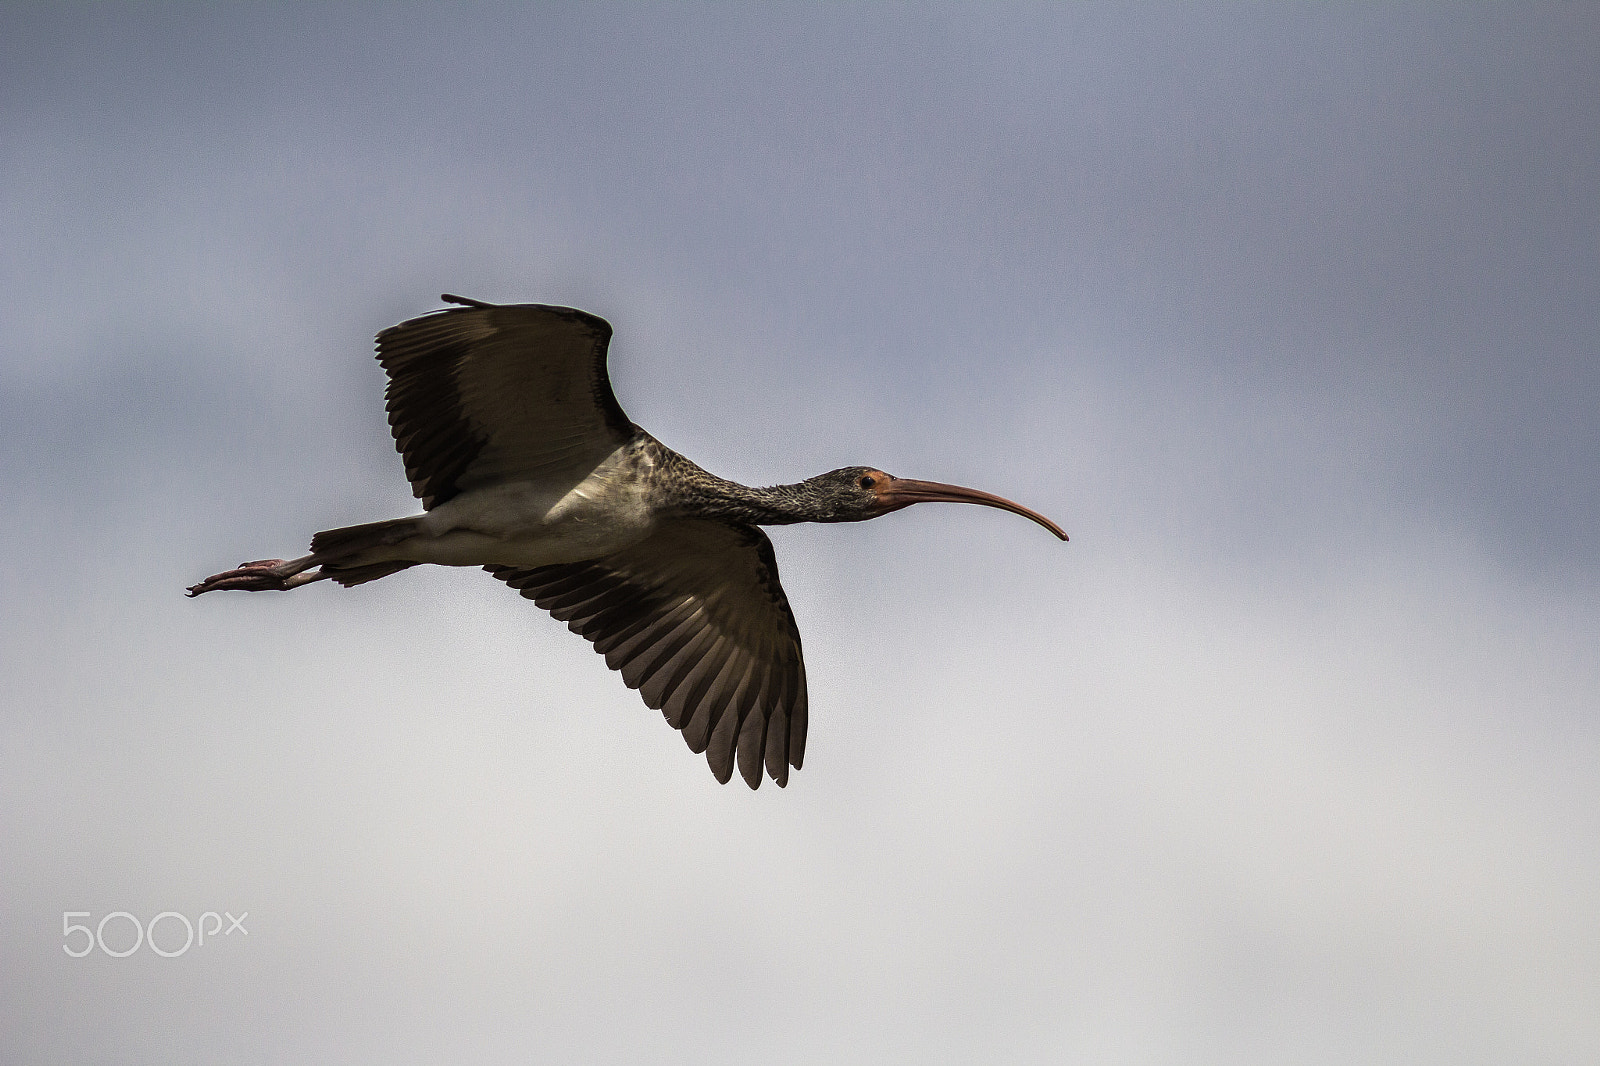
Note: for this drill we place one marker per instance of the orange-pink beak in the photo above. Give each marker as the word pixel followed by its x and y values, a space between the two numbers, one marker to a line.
pixel 903 492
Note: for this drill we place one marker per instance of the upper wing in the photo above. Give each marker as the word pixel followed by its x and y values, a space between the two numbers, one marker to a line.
pixel 694 618
pixel 487 393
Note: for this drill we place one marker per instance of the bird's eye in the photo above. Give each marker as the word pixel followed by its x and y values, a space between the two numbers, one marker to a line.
pixel 867 481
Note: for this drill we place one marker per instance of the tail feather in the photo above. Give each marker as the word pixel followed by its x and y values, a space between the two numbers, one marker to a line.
pixel 360 575
pixel 349 540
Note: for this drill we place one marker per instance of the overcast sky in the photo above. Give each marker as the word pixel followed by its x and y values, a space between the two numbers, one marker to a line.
pixel 1290 316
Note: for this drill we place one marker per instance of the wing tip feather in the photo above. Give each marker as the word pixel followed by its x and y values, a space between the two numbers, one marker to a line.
pixel 738 696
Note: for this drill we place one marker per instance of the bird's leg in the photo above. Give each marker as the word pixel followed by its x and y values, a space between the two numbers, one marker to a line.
pixel 264 575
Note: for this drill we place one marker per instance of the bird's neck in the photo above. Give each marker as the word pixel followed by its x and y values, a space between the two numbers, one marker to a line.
pixel 777 505
pixel 697 493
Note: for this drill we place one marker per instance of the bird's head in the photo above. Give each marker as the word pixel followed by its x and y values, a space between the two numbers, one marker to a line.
pixel 857 493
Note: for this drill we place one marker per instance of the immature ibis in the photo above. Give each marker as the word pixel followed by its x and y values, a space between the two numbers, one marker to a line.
pixel 526 466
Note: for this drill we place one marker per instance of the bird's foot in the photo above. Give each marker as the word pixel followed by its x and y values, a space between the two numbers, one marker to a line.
pixel 263 575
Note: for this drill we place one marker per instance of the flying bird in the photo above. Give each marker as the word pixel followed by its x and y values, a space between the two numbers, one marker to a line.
pixel 527 466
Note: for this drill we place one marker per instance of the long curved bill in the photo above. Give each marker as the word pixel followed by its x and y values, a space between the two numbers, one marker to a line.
pixel 903 492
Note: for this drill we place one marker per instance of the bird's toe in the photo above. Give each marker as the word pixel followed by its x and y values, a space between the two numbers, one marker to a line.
pixel 258 576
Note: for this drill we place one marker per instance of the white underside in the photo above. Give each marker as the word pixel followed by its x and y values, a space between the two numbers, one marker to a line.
pixel 524 523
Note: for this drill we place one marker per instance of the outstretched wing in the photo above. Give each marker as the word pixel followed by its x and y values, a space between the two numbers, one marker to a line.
pixel 488 393
pixel 694 618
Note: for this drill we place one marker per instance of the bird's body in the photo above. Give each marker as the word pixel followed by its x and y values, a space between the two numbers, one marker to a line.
pixel 536 523
pixel 527 466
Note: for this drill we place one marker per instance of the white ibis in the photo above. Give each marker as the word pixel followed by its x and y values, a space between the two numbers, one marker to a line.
pixel 526 466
